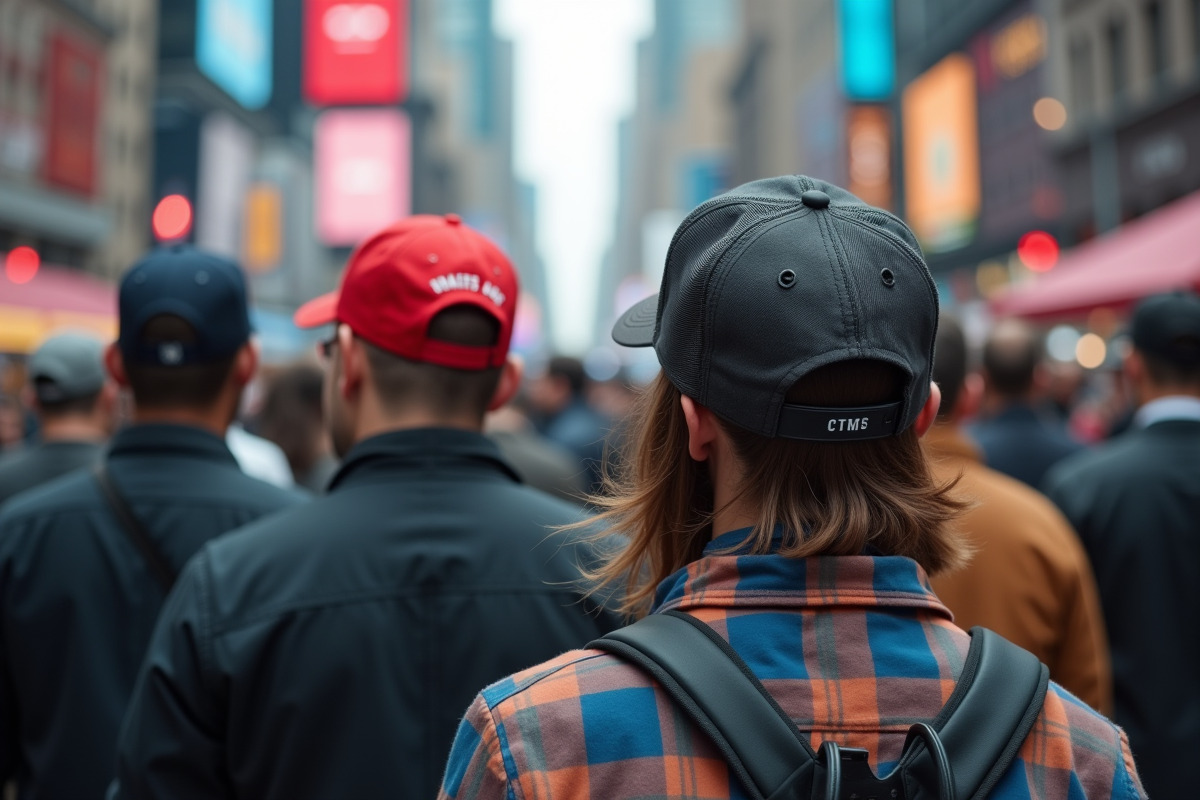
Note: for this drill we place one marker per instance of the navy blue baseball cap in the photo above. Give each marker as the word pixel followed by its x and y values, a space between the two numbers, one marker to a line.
pixel 205 290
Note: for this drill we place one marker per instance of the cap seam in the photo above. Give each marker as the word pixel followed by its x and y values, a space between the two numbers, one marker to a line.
pixel 834 241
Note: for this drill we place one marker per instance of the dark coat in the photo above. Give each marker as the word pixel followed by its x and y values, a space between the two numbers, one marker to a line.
pixel 1136 505
pixel 1023 445
pixel 331 651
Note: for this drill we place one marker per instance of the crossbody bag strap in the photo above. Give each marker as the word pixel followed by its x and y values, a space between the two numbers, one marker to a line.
pixel 134 529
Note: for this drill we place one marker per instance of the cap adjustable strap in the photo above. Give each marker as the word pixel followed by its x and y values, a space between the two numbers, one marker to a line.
pixel 839 424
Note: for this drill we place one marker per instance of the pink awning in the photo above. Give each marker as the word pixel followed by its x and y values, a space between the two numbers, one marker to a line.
pixel 57 298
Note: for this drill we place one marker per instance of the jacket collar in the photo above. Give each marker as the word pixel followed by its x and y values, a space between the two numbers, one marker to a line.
pixel 420 449
pixel 172 440
pixel 946 440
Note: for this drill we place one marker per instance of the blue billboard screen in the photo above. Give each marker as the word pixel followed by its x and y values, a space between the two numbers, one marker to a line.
pixel 868 49
pixel 233 48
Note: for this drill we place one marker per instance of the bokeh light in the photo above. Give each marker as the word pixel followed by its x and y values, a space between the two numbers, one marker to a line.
pixel 1090 351
pixel 172 217
pixel 22 264
pixel 1049 114
pixel 1038 251
pixel 1061 343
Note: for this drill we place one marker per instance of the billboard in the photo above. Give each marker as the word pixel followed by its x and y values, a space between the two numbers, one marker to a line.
pixel 227 151
pixel 73 114
pixel 363 165
pixel 355 52
pixel 941 154
pixel 868 48
pixel 869 154
pixel 233 48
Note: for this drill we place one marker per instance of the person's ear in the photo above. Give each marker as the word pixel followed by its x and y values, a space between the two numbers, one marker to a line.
pixel 929 410
pixel 1134 367
pixel 114 362
pixel 245 363
pixel 509 383
pixel 702 428
pixel 353 357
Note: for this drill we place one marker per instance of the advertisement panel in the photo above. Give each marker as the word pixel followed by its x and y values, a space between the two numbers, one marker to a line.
pixel 73 113
pixel 233 48
pixel 869 154
pixel 227 150
pixel 263 234
pixel 355 52
pixel 363 165
pixel 941 154
pixel 868 48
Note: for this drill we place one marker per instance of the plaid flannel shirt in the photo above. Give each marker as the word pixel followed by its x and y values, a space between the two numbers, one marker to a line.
pixel 855 649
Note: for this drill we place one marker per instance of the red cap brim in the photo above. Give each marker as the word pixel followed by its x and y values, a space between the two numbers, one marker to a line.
pixel 317 312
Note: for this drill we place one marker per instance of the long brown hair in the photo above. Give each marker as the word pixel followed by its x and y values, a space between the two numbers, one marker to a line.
pixel 829 498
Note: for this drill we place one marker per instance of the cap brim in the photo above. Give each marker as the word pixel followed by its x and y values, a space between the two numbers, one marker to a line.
pixel 317 312
pixel 635 328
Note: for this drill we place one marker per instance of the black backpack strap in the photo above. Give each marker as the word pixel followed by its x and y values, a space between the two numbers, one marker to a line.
pixel 133 527
pixel 717 690
pixel 992 709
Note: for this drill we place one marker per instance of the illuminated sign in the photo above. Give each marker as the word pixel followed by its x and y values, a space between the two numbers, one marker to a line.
pixel 1019 46
pixel 363 164
pixel 73 123
pixel 868 48
pixel 941 154
pixel 355 51
pixel 233 47
pixel 263 230
pixel 869 154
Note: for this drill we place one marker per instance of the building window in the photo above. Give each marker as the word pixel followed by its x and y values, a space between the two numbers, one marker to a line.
pixel 1157 39
pixel 1083 92
pixel 1117 57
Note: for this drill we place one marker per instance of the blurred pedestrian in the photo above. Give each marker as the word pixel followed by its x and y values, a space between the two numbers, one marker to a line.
pixel 540 462
pixel 1136 504
pixel 75 404
pixel 87 560
pixel 778 495
pixel 1017 437
pixel 330 652
pixel 1029 578
pixel 12 424
pixel 558 397
pixel 292 418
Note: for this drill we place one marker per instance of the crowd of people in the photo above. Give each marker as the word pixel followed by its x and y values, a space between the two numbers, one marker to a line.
pixel 219 579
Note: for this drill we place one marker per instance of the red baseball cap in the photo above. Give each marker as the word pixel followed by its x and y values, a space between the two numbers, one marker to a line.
pixel 400 278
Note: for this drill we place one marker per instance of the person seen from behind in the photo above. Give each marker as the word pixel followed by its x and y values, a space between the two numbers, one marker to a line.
pixel 776 491
pixel 1029 578
pixel 329 653
pixel 87 560
pixel 1135 502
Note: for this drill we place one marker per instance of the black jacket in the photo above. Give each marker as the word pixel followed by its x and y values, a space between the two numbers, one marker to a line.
pixel 1136 505
pixel 78 603
pixel 330 652
pixel 42 463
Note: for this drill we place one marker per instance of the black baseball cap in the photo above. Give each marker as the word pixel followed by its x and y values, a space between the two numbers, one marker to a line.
pixel 205 290
pixel 776 278
pixel 1168 326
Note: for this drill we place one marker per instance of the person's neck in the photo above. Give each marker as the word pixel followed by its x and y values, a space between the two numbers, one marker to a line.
pixel 211 421
pixel 390 423
pixel 71 429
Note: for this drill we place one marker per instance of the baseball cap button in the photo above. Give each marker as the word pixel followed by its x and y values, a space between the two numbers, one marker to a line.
pixel 453 219
pixel 815 198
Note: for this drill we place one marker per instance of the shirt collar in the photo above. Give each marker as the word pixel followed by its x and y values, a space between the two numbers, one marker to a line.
pixel 421 448
pixel 167 439
pixel 1173 407
pixel 735 579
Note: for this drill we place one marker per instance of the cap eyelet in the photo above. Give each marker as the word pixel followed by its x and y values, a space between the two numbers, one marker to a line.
pixel 889 278
pixel 787 278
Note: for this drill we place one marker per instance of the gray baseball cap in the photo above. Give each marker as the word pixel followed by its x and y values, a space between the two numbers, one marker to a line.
pixel 779 277
pixel 67 366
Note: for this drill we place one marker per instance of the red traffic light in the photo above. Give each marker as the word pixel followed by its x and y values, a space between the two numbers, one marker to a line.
pixel 1038 251
pixel 172 218
pixel 22 264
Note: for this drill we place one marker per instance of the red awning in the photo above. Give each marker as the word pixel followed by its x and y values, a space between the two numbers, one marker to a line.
pixel 56 298
pixel 1155 253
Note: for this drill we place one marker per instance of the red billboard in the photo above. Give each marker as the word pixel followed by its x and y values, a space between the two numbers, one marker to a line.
pixel 362 163
pixel 73 113
pixel 355 52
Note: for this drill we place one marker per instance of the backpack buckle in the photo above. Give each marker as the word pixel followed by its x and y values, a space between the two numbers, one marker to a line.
pixel 844 773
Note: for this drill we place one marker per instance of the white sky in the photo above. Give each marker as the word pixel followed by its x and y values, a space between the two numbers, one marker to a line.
pixel 575 62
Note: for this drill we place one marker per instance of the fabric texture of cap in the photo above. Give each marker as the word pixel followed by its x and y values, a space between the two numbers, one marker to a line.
pixel 67 366
pixel 1168 326
pixel 398 280
pixel 776 278
pixel 205 290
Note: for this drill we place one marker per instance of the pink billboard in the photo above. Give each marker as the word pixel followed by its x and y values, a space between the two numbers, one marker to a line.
pixel 363 163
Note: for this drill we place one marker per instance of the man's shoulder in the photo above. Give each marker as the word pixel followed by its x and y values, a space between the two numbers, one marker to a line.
pixel 65 494
pixel 1119 459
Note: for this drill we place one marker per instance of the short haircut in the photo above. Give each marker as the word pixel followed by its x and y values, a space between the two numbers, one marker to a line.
pixel 1011 356
pixel 1169 373
pixel 405 384
pixel 949 362
pixel 184 386
pixel 83 405
pixel 569 369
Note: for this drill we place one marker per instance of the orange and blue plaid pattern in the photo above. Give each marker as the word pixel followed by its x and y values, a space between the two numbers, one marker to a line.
pixel 855 649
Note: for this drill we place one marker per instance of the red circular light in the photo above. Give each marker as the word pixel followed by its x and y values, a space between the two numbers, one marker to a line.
pixel 22 264
pixel 1038 250
pixel 172 217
